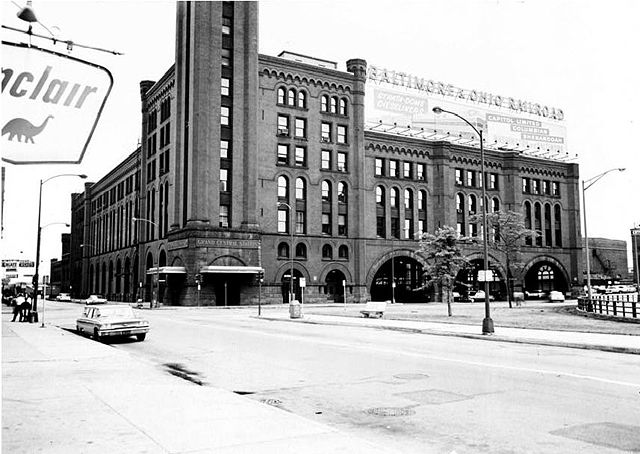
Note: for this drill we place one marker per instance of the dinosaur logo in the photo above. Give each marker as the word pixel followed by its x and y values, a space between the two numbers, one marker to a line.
pixel 23 128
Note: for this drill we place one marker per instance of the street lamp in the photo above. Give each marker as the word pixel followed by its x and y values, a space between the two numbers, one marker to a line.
pixel 487 323
pixel 36 278
pixel 586 184
pixel 290 249
pixel 133 221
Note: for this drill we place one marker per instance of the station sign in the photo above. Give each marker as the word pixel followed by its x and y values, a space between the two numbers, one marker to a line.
pixel 51 104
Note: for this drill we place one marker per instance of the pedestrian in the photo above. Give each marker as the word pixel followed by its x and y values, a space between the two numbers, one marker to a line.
pixel 17 308
pixel 25 309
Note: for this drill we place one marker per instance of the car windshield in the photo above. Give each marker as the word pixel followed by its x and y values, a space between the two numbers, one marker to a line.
pixel 119 311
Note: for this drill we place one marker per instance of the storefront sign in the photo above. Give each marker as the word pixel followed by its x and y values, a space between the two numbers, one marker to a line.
pixel 51 104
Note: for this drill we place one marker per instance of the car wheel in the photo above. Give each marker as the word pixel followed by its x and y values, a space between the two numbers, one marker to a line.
pixel 96 335
pixel 78 330
pixel 141 337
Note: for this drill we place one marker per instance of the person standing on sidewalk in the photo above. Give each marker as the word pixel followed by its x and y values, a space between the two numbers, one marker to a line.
pixel 17 308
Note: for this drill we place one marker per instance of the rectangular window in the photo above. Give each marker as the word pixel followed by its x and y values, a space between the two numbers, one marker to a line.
pixel 283 125
pixel 283 154
pixel 342 161
pixel 546 187
pixel 326 223
pixel 224 216
pixel 535 186
pixel 342 224
pixel 301 157
pixel 224 86
pixel 301 224
pixel 406 170
pixel 224 115
pixel 471 178
pixel 555 187
pixel 342 134
pixel 379 167
pixel 226 26
pixel 526 185
pixel 393 168
pixel 325 132
pixel 395 227
pixel 283 224
pixel 226 57
pixel 325 162
pixel 224 148
pixel 224 175
pixel 301 128
pixel 473 229
pixel 420 226
pixel 459 179
pixel 420 172
pixel 493 181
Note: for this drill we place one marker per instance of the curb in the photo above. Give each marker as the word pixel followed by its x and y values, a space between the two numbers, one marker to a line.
pixel 490 337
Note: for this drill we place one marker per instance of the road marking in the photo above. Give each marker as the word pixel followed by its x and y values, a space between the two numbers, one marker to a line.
pixel 411 354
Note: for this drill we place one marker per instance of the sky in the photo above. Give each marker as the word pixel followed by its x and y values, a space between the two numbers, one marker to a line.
pixel 579 55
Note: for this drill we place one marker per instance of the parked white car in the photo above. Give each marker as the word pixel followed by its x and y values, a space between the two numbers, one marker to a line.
pixel 556 296
pixel 479 296
pixel 95 299
pixel 111 320
pixel 63 297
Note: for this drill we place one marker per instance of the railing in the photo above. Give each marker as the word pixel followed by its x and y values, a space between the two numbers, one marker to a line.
pixel 623 305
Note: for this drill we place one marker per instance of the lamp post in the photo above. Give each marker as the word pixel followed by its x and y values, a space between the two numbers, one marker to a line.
pixel 37 284
pixel 290 249
pixel 157 273
pixel 36 278
pixel 487 323
pixel 586 184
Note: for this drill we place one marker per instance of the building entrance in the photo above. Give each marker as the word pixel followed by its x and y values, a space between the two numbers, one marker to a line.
pixel 408 280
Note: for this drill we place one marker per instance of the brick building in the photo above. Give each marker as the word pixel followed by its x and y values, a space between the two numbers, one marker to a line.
pixel 254 164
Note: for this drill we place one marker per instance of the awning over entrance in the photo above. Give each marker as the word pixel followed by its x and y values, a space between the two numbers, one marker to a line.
pixel 231 269
pixel 167 270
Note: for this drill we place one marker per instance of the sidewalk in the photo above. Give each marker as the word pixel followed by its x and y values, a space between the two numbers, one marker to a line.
pixel 620 343
pixel 63 393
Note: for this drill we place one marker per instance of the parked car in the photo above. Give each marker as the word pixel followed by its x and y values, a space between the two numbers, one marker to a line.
pixel 111 320
pixel 63 297
pixel 479 296
pixel 535 294
pixel 95 299
pixel 556 296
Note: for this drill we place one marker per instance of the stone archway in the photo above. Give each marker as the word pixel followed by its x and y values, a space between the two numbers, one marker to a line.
pixel 407 284
pixel 545 274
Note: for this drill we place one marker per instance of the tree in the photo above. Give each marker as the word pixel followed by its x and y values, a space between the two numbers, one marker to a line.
pixel 444 259
pixel 507 235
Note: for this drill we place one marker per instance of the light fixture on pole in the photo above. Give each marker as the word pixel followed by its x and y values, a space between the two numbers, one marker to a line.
pixel 157 273
pixel 586 184
pixel 290 249
pixel 36 278
pixel 487 323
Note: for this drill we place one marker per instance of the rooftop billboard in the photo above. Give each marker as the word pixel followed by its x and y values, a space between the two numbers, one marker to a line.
pixel 406 100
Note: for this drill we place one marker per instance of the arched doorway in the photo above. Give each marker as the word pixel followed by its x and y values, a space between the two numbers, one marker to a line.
pixel 162 279
pixel 287 285
pixel 334 288
pixel 127 278
pixel 467 280
pixel 148 278
pixel 409 282
pixel 545 276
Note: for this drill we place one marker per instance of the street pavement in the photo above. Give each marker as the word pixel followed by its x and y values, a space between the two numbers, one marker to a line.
pixel 62 393
pixel 65 393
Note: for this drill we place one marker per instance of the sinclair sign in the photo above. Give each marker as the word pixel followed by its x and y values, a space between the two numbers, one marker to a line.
pixel 51 104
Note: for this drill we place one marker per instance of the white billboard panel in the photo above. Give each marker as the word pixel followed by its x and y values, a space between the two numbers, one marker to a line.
pixel 51 104
pixel 405 100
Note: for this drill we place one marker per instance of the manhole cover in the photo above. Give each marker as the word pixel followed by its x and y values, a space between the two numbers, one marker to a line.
pixel 391 411
pixel 411 376
pixel 274 402
pixel 433 396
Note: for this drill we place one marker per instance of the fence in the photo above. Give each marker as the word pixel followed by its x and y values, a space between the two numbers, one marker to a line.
pixel 623 305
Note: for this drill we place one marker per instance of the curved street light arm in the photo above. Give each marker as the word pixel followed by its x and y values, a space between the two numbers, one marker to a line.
pixel 134 219
pixel 591 181
pixel 438 110
pixel 80 175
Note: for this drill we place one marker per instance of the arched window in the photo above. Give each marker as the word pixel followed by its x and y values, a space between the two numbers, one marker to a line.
pixel 537 218
pixel 527 221
pixel 547 225
pixel 557 220
pixel 343 106
pixel 495 204
pixel 343 252
pixel 324 103
pixel 301 189
pixel 283 250
pixel 326 191
pixel 302 99
pixel 283 187
pixel 334 105
pixel 380 195
pixel 473 207
pixel 422 200
pixel 408 199
pixel 394 197
pixel 460 203
pixel 301 250
pixel 545 273
pixel 327 251
pixel 342 192
pixel 291 98
pixel 281 95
